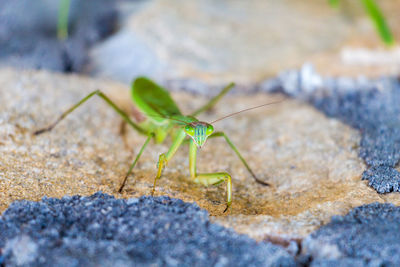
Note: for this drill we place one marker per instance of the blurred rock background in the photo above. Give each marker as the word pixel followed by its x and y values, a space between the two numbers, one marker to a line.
pixel 210 42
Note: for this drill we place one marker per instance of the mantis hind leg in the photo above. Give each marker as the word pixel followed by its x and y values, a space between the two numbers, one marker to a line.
pixel 83 100
pixel 124 116
pixel 214 100
pixel 208 179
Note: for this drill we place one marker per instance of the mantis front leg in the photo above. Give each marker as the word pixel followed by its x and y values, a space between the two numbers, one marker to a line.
pixel 165 157
pixel 209 178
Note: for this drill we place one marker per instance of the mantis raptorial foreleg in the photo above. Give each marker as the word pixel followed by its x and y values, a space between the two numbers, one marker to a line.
pixel 165 157
pixel 83 100
pixel 209 178
pixel 222 134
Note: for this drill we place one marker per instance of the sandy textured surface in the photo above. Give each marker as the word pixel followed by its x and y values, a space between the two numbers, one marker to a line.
pixel 310 160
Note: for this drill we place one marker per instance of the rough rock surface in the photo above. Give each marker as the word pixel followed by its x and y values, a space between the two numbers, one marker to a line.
pixel 310 161
pixel 367 236
pixel 368 105
pixel 102 230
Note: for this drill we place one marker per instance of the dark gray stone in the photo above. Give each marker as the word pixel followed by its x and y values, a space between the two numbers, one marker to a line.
pixel 374 110
pixel 367 236
pixel 103 231
pixel 372 106
pixel 28 33
pixel 346 262
pixel 383 178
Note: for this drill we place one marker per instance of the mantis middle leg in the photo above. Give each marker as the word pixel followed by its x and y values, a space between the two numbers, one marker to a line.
pixel 135 161
pixel 207 179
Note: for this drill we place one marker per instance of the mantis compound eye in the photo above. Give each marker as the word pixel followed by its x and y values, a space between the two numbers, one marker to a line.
pixel 209 130
pixel 189 130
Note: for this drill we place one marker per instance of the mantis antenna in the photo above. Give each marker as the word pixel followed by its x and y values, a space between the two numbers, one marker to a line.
pixel 247 109
pixel 222 118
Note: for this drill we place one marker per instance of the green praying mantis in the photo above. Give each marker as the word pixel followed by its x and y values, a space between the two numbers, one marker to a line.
pixel 163 118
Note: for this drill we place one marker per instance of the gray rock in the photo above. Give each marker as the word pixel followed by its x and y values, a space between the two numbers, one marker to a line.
pixel 368 105
pixel 28 33
pixel 346 262
pixel 367 235
pixel 383 178
pixel 374 110
pixel 22 248
pixel 102 230
pixel 302 83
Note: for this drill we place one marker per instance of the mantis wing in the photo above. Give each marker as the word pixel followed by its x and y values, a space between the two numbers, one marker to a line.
pixel 153 100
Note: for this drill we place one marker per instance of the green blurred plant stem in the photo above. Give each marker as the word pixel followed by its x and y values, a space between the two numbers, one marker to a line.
pixel 63 13
pixel 377 18
pixel 334 3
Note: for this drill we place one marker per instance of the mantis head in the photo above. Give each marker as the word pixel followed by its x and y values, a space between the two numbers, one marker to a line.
pixel 199 132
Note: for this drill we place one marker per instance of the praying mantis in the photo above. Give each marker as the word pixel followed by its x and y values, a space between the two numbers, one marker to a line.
pixel 164 118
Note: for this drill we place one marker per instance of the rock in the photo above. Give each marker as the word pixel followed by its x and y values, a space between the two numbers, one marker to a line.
pixel 28 33
pixel 216 43
pixel 311 161
pixel 102 230
pixel 383 179
pixel 369 105
pixel 21 248
pixel 367 234
pixel 197 41
pixel 346 262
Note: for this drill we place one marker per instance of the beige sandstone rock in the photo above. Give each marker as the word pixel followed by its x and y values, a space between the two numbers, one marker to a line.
pixel 246 41
pixel 310 160
pixel 216 42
